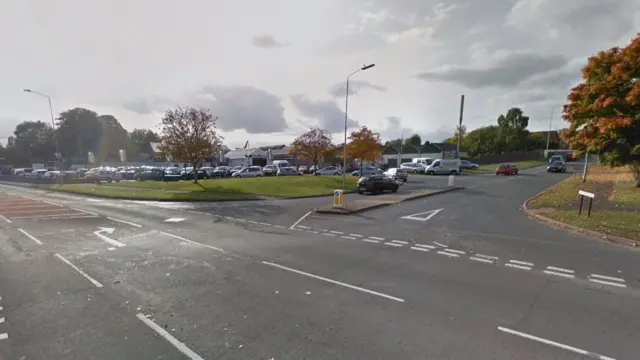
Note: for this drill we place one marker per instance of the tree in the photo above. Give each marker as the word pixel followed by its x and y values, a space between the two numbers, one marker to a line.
pixel 364 145
pixel 461 130
pixel 604 110
pixel 113 137
pixel 414 140
pixel 34 140
pixel 512 129
pixel 189 134
pixel 139 140
pixel 314 145
pixel 484 141
pixel 80 133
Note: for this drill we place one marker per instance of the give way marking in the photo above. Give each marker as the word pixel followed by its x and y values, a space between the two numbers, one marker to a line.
pixel 423 216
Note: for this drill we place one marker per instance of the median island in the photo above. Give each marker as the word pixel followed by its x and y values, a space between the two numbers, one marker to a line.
pixel 616 205
pixel 214 189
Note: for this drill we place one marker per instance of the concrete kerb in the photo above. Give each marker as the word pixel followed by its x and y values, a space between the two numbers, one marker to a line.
pixel 343 211
pixel 571 228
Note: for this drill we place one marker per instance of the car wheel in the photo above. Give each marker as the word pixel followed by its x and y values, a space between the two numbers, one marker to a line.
pixel 453 172
pixel 336 174
pixel 474 167
pixel 516 173
pixel 360 192
pixel 430 172
pixel 497 174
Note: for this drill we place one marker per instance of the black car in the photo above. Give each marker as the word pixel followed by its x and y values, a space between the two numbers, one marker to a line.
pixel 189 175
pixel 376 183
pixel 557 166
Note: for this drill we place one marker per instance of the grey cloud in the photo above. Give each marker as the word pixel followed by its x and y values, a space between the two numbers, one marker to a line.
pixel 147 106
pixel 267 42
pixel 244 108
pixel 328 114
pixel 395 130
pixel 339 90
pixel 508 72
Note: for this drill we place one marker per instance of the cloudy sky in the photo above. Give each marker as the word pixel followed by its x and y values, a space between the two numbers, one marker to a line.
pixel 271 69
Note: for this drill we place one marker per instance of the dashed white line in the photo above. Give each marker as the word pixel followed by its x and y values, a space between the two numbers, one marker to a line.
pixel 455 251
pixel 474 258
pixel 400 242
pixel 191 241
pixel 420 248
pixel 607 280
pixel 228 217
pixel 5 219
pixel 30 237
pixel 393 244
pixel 555 344
pixel 448 254
pixel 557 273
pixel 278 226
pixel 4 336
pixel 124 222
pixel 356 235
pixel 521 267
pixel 312 231
pixel 173 341
pixel 442 245
pixel 51 203
pixel 85 211
pixel 328 234
pixel 348 237
pixel 1 320
pixel 376 238
pixel 303 227
pixel 265 224
pixel 1 308
pixel 371 241
pixel 431 247
pixel 336 232
pixel 488 257
pixel 79 271
pixel 603 282
pixel 300 220
pixel 353 287
pixel 553 268
pixel 521 263
pixel 251 221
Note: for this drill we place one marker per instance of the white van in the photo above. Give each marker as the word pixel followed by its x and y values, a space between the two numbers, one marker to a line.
pixel 424 161
pixel 280 164
pixel 444 166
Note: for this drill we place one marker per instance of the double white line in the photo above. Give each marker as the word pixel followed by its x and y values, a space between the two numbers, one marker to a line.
pixel 607 280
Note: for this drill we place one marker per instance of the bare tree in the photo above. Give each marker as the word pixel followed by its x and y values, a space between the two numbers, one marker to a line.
pixel 189 134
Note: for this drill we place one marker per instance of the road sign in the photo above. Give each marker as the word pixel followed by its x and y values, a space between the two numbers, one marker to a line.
pixel 338 199
pixel 423 216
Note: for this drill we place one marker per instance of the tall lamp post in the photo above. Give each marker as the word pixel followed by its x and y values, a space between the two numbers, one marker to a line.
pixel 549 132
pixel 346 118
pixel 53 124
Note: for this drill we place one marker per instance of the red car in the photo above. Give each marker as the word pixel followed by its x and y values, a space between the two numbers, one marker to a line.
pixel 507 169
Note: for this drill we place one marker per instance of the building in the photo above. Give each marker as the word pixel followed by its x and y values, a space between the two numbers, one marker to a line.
pixel 393 155
pixel 246 157
pixel 214 159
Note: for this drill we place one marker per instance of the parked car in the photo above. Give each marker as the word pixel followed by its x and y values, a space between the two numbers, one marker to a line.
pixel 251 171
pixel 444 166
pixel 288 171
pixel 366 171
pixel 303 169
pixel 507 169
pixel 191 174
pixel 330 170
pixel 98 175
pixel 413 167
pixel 270 170
pixel 397 174
pixel 376 183
pixel 221 172
pixel 557 166
pixel 468 165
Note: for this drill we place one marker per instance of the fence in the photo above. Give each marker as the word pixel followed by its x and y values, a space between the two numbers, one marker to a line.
pixel 508 157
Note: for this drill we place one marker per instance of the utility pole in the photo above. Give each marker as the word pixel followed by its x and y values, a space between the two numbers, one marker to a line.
pixel 549 132
pixel 586 165
pixel 460 127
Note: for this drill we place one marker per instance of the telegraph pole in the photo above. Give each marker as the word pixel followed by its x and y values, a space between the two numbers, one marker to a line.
pixel 460 127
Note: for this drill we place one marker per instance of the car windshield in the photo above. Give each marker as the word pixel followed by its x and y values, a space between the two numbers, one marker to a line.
pixel 557 163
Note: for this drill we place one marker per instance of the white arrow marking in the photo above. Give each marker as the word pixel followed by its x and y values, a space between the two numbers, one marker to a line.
pixel 106 239
pixel 423 216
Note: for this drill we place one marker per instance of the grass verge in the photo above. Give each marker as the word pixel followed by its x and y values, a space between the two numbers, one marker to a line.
pixel 611 222
pixel 215 189
pixel 491 168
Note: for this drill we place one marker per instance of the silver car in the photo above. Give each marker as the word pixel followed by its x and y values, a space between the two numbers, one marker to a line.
pixel 397 174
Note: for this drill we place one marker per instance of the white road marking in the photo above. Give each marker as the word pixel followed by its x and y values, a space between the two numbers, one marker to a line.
pixel 356 235
pixel 371 241
pixel 521 263
pixel 4 336
pixel 553 268
pixel 474 258
pixel 603 282
pixel 486 257
pixel 1 308
pixel 252 222
pixel 31 237
pixel 173 341
pixel 522 267
pixel 311 231
pixel 557 273
pixel 555 344
pixel 393 244
pixel 22 207
pixel 65 216
pixel 348 237
pixel 455 251
pixel 423 216
pixel 336 232
pixel 426 246
pixel 420 249
pixel 328 234
pixel 607 278
pixel 86 276
pixel 228 217
pixel 174 220
pixel 124 222
pixel 442 245
pixel 32 211
pixel 191 241
pixel 265 224
pixel 95 200
pixel 107 239
pixel 1 320
pixel 278 226
pixel 303 227
pixel 448 254
pixel 51 203
pixel 5 219
pixel 376 238
pixel 300 220
pixel 400 242
pixel 85 211
pixel 335 282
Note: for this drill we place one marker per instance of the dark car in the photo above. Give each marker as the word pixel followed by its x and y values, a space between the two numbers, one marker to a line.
pixel 376 183
pixel 189 175
pixel 557 166
pixel 221 171
pixel 156 175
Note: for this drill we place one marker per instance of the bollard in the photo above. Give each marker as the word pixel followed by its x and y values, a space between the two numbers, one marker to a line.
pixel 452 180
pixel 338 200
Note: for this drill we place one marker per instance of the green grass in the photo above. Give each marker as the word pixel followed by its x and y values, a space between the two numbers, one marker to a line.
pixel 491 168
pixel 612 222
pixel 626 193
pixel 216 189
pixel 565 192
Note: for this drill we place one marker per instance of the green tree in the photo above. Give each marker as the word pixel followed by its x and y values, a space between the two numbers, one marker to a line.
pixel 414 139
pixel 80 132
pixel 461 130
pixel 484 141
pixel 513 127
pixel 34 140
pixel 139 140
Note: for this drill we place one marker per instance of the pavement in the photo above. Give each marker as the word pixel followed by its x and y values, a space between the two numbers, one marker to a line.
pixel 461 275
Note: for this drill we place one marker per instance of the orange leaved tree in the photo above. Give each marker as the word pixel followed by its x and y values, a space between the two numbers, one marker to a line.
pixel 312 145
pixel 189 134
pixel 364 145
pixel 604 110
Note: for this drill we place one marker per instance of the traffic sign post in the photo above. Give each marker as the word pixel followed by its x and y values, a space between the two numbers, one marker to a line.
pixel 582 196
pixel 338 199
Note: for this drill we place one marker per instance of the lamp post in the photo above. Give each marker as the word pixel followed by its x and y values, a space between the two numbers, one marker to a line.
pixel 549 132
pixel 53 124
pixel 346 118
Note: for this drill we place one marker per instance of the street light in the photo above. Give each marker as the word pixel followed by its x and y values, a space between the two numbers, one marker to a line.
pixel 346 118
pixel 549 132
pixel 53 124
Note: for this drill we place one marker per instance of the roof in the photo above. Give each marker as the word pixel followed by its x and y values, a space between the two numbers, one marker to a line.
pixel 244 153
pixel 155 147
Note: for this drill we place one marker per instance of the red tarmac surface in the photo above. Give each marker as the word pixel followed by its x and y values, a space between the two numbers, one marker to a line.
pixel 14 207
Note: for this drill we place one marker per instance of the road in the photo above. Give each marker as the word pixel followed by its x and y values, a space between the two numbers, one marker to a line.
pixel 88 278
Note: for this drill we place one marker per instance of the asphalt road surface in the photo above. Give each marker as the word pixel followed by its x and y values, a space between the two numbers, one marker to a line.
pixel 462 275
